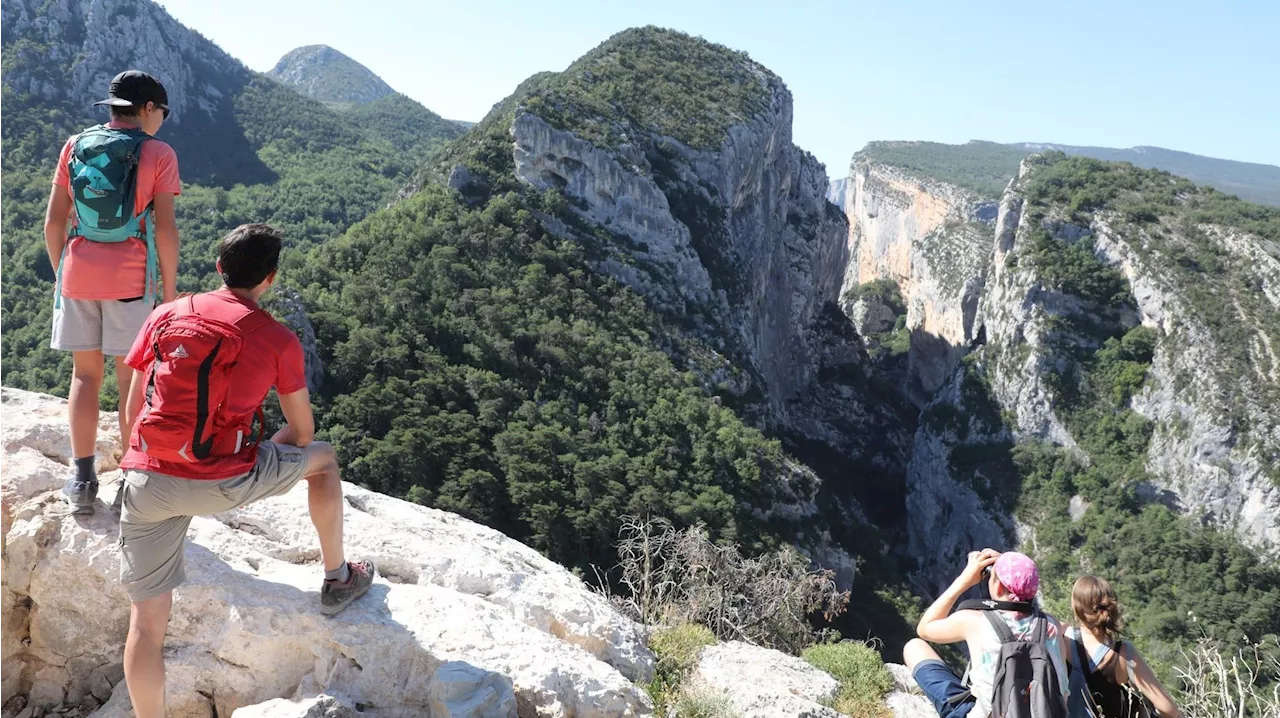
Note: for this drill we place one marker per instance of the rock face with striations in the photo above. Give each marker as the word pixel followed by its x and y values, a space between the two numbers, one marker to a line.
pixel 127 34
pixel 934 240
pixel 1009 326
pixel 322 73
pixel 732 236
pixel 462 622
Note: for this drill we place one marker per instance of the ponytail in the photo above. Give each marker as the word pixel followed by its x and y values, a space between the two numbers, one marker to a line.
pixel 1096 607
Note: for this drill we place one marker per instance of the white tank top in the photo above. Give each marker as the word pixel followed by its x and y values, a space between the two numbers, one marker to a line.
pixel 984 652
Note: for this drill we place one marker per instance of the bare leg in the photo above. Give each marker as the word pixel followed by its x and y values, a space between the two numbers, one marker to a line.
pixel 124 382
pixel 324 499
pixel 82 403
pixel 916 652
pixel 144 655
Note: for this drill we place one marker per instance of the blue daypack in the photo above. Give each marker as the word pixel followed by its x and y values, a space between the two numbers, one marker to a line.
pixel 103 173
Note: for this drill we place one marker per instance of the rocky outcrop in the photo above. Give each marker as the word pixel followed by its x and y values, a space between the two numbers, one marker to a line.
pixel 1224 470
pixel 129 34
pixel 934 240
pixel 289 309
pixel 906 700
pixel 954 502
pixel 322 706
pixel 322 73
pixel 739 244
pixel 462 622
pixel 740 236
pixel 838 192
pixel 763 683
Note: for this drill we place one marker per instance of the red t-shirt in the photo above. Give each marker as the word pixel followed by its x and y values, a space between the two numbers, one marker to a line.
pixel 269 356
pixel 97 270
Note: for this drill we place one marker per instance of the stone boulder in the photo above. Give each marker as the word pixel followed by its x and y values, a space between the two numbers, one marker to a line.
pixel 463 621
pixel 906 700
pixel 321 706
pixel 764 683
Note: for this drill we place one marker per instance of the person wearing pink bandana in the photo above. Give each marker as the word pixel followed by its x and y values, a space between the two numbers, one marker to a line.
pixel 1012 582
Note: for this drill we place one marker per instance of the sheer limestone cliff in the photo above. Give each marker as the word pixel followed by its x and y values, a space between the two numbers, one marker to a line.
pixel 1047 287
pixel 934 241
pixel 731 235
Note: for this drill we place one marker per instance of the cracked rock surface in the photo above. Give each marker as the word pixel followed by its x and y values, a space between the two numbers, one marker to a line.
pixel 462 621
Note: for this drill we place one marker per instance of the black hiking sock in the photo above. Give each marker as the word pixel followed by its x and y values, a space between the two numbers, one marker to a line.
pixel 84 470
pixel 341 574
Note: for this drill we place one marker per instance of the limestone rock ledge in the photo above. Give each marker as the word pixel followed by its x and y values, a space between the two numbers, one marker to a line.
pixel 764 683
pixel 463 621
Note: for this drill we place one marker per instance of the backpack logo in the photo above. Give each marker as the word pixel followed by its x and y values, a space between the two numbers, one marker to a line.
pixel 180 353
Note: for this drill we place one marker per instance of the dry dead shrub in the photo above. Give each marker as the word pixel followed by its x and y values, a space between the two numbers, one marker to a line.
pixel 674 577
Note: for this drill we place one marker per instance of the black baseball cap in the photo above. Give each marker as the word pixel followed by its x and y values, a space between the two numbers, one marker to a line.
pixel 135 88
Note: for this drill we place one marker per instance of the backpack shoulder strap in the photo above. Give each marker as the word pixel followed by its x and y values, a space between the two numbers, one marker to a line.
pixel 1119 650
pixel 1002 628
pixel 1077 656
pixel 990 604
pixel 253 321
pixel 1042 627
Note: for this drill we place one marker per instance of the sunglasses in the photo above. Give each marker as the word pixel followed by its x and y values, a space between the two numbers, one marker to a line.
pixel 162 108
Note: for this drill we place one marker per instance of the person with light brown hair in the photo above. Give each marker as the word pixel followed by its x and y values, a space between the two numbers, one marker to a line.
pixel 1117 676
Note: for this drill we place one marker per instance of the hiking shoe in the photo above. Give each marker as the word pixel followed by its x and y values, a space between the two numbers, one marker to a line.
pixel 335 596
pixel 80 495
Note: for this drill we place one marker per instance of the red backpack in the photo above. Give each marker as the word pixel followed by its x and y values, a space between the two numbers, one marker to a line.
pixel 186 417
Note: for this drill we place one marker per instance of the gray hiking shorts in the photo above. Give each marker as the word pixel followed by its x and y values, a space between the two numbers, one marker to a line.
pixel 82 325
pixel 157 510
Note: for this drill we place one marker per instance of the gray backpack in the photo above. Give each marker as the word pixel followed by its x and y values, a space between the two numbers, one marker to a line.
pixel 1026 682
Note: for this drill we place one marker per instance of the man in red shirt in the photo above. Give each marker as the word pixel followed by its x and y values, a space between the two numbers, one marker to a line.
pixel 102 286
pixel 160 495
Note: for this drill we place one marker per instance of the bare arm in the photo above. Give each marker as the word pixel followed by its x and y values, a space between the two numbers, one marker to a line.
pixel 55 224
pixel 301 427
pixel 935 625
pixel 1144 679
pixel 166 229
pixel 133 403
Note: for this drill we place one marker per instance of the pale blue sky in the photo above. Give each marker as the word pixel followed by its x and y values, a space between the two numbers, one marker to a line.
pixel 1200 77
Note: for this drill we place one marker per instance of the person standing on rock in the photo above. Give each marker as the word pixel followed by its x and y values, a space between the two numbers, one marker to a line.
pixel 202 367
pixel 1012 581
pixel 114 185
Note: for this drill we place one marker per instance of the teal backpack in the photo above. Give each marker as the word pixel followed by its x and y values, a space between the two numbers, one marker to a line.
pixel 103 171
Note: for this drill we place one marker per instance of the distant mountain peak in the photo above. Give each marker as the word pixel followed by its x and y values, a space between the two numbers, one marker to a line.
pixel 325 74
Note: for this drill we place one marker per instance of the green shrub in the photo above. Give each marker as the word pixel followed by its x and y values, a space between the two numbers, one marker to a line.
pixel 704 702
pixel 677 650
pixel 864 682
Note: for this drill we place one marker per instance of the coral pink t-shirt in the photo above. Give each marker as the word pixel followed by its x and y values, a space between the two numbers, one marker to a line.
pixel 97 270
